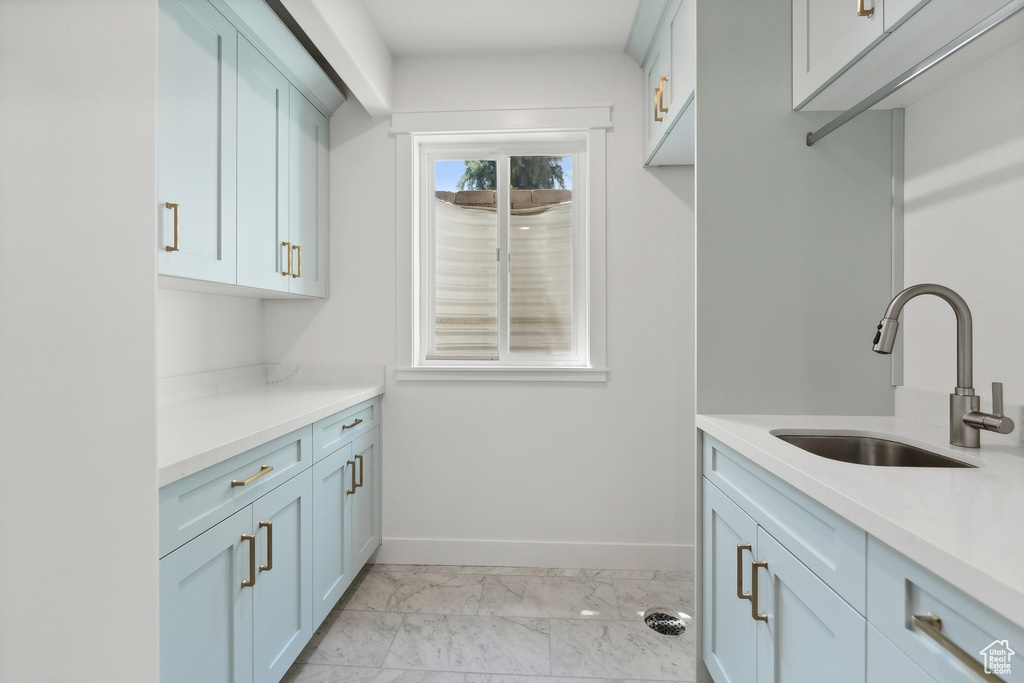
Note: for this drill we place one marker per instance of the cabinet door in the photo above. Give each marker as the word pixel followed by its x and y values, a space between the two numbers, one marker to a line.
pixel 333 488
pixel 656 102
pixel 309 201
pixel 196 140
pixel 282 596
pixel 886 662
pixel 683 38
pixel 811 634
pixel 828 36
pixel 366 502
pixel 262 171
pixel 205 612
pixel 730 631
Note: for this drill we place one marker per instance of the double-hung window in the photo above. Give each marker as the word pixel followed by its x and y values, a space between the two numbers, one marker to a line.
pixel 503 254
pixel 505 276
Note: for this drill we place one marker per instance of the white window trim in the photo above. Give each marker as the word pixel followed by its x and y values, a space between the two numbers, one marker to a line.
pixel 411 127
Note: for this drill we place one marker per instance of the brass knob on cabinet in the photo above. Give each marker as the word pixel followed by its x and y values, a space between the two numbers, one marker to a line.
pixel 758 616
pixel 287 270
pixel 661 98
pixel 175 208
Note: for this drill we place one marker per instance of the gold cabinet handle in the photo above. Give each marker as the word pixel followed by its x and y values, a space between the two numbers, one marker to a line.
pixel 932 627
pixel 661 97
pixel 657 105
pixel 360 459
pixel 861 12
pixel 758 616
pixel 358 421
pixel 251 581
pixel 739 571
pixel 287 270
pixel 269 526
pixel 298 261
pixel 173 207
pixel 354 487
pixel 264 469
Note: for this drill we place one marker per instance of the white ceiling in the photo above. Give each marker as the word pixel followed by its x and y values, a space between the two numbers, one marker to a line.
pixel 434 27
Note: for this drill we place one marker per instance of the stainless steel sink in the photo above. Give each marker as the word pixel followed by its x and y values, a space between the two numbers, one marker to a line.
pixel 867 450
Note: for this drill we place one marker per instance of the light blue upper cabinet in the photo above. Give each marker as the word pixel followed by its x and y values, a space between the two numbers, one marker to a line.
pixel 845 51
pixel 309 208
pixel 196 141
pixel 244 195
pixel 668 57
pixel 262 171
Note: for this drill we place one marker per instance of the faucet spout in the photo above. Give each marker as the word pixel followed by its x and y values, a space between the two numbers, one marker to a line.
pixel 885 338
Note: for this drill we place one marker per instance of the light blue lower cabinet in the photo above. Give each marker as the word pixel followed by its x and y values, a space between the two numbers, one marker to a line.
pixel 283 591
pixel 811 634
pixel 277 543
pixel 767 617
pixel 333 488
pixel 730 633
pixel 236 601
pixel 837 605
pixel 366 500
pixel 205 612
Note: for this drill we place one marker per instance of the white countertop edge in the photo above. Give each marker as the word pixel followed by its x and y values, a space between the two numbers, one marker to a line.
pixel 1002 593
pixel 179 463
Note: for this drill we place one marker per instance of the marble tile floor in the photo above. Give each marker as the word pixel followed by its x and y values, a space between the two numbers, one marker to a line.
pixel 433 624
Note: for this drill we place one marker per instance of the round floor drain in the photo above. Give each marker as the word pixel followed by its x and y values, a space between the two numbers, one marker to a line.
pixel 666 621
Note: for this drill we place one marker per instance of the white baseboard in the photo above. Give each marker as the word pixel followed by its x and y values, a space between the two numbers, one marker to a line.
pixel 444 551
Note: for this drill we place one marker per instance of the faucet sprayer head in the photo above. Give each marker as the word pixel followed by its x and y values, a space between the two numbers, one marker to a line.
pixel 885 338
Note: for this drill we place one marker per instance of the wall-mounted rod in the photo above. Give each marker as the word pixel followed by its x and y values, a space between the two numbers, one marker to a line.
pixel 895 84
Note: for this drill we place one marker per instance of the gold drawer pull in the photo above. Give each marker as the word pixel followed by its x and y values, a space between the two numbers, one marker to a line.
pixel 287 270
pixel 739 571
pixel 861 12
pixel 657 105
pixel 358 421
pixel 758 616
pixel 298 261
pixel 251 581
pixel 360 459
pixel 661 99
pixel 173 207
pixel 932 627
pixel 264 469
pixel 269 526
pixel 354 487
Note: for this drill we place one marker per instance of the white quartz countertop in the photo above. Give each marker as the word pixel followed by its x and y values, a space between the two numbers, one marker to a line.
pixel 962 524
pixel 195 434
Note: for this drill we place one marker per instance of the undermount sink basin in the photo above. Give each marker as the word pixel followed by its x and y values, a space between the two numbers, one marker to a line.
pixel 867 450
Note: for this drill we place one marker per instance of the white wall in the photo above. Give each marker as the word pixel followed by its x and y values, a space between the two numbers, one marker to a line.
pixel 199 332
pixel 793 243
pixel 548 474
pixel 964 210
pixel 78 504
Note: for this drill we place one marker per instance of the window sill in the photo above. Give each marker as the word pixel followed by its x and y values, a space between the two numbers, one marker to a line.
pixel 505 374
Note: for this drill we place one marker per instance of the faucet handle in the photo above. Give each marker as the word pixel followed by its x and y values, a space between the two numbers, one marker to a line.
pixel 997 399
pixel 994 421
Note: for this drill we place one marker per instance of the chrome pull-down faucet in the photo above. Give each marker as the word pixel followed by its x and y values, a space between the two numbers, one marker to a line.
pixel 965 419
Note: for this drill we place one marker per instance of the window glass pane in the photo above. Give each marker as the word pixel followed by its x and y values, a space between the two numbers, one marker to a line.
pixel 540 255
pixel 465 266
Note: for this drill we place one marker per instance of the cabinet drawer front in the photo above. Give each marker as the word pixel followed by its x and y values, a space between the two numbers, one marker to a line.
pixel 331 433
pixel 192 505
pixel 899 589
pixel 829 545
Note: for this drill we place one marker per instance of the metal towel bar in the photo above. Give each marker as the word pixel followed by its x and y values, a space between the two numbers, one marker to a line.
pixel 892 86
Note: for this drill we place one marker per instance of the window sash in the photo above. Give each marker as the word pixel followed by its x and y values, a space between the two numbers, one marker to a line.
pixel 427 354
